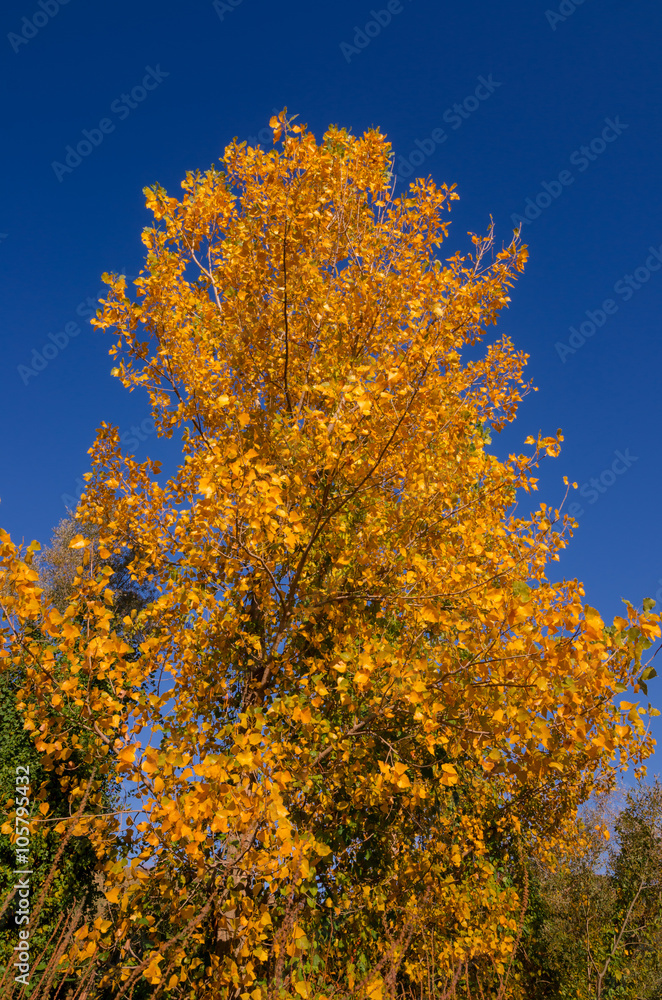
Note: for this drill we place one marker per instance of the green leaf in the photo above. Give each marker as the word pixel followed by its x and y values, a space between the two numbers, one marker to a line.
pixel 521 590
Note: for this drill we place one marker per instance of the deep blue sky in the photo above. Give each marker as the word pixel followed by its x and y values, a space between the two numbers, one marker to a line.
pixel 547 85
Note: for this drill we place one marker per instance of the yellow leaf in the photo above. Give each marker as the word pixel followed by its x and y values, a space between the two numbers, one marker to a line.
pixel 78 542
pixel 375 990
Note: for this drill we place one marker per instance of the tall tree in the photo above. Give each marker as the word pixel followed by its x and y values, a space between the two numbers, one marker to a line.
pixel 370 696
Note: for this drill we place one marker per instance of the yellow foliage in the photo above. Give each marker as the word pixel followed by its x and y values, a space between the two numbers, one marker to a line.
pixel 358 670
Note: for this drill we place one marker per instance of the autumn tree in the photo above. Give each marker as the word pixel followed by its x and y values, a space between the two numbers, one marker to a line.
pixel 54 784
pixel 76 868
pixel 369 702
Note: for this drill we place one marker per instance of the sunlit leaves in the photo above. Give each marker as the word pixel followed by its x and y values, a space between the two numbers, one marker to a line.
pixel 361 687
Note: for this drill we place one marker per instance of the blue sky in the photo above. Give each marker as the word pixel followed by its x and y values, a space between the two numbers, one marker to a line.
pixel 540 111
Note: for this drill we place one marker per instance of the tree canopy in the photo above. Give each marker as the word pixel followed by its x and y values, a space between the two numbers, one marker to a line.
pixel 367 704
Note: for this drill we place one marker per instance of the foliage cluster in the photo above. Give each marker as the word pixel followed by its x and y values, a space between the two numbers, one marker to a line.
pixel 370 714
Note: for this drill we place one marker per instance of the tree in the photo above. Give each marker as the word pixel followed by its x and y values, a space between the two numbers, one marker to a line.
pixel 369 700
pixel 69 870
pixel 75 871
pixel 599 932
pixel 58 567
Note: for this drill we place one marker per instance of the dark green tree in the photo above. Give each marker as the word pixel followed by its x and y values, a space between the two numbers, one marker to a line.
pixel 594 926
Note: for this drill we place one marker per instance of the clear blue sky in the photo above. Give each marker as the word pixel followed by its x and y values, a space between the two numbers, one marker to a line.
pixel 498 98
